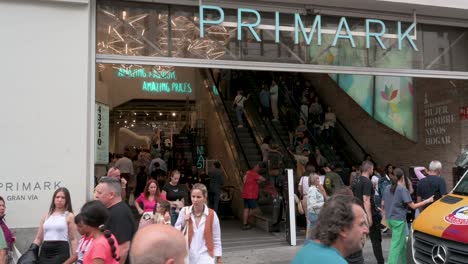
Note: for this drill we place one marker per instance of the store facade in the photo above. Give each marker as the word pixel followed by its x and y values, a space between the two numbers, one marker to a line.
pixel 56 50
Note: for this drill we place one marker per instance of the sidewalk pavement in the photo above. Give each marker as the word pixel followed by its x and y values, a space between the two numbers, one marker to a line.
pixel 256 246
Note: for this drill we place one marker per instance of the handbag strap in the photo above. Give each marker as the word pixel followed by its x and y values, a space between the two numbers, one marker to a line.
pixel 238 101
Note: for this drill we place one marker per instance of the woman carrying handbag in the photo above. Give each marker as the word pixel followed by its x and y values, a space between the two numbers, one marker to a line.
pixel 201 228
pixel 147 202
pixel 7 239
pixel 57 230
pixel 316 196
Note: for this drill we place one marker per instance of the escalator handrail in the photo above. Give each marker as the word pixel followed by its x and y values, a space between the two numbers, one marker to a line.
pixel 338 121
pixel 297 107
pixel 283 144
pixel 246 166
pixel 267 132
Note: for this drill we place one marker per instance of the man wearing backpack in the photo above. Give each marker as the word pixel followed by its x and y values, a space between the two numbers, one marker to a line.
pixel 364 191
pixel 433 184
pixel 382 184
pixel 332 182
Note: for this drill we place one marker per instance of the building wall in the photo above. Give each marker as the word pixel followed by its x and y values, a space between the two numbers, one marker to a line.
pixel 436 100
pixel 44 129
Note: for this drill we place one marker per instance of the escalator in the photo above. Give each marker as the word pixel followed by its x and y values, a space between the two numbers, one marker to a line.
pixel 273 193
pixel 248 139
pixel 329 151
pixel 289 110
pixel 342 152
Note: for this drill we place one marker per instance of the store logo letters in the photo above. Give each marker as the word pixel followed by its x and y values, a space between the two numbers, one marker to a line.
pixel 342 32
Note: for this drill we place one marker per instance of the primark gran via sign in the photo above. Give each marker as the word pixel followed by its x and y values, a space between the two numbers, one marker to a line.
pixel 341 32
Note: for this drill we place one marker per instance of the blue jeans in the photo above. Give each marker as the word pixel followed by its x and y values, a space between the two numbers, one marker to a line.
pixel 213 198
pixel 310 224
pixel 378 201
pixel 239 113
pixel 174 216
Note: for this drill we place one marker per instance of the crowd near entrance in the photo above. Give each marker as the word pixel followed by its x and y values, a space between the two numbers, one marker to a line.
pixel 333 124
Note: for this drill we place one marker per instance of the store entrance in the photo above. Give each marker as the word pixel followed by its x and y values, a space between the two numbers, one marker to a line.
pixel 190 112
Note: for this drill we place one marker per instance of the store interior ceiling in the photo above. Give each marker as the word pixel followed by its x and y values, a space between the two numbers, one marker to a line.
pixel 127 33
pixel 149 114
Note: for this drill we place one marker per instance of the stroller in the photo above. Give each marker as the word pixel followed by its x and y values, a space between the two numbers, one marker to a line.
pixel 225 201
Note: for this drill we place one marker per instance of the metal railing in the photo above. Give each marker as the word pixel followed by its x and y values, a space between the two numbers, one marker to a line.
pixel 228 127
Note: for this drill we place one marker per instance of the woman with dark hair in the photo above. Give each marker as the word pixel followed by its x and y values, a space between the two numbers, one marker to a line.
pixel 147 201
pixel 104 248
pixel 395 202
pixel 57 229
pixel 175 193
pixel 6 236
pixel 84 243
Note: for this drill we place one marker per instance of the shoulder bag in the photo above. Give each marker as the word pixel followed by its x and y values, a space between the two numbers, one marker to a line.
pixel 185 232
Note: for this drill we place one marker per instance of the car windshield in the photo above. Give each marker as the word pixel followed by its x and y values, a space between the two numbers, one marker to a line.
pixel 462 187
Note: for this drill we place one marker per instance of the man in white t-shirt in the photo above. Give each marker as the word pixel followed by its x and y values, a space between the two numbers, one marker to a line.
pixel 239 106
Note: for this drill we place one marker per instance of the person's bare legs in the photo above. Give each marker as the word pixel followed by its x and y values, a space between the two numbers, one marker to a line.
pixel 246 216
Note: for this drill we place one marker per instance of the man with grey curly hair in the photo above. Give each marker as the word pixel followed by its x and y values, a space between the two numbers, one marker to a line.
pixel 341 229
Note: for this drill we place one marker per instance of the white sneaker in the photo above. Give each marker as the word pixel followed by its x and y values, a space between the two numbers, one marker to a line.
pixel 240 126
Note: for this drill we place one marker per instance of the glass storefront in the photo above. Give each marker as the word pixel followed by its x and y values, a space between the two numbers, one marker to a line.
pixel 151 30
pixel 161 30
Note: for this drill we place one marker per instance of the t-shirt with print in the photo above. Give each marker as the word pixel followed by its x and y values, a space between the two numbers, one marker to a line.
pixel 100 249
pixel 364 187
pixel 250 190
pixel 83 246
pixel 174 193
pixel 332 183
pixel 396 204
pixel 314 252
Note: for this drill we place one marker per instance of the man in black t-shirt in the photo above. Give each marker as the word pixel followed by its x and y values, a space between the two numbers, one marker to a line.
pixel 364 191
pixel 433 184
pixel 193 177
pixel 121 222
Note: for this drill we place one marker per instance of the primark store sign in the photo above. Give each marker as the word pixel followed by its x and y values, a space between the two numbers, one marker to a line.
pixel 27 190
pixel 341 32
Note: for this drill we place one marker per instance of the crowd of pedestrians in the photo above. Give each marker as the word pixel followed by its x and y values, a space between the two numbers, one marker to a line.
pixel 341 217
pixel 182 216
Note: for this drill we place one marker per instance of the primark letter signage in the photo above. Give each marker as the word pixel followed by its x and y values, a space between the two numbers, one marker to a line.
pixel 342 31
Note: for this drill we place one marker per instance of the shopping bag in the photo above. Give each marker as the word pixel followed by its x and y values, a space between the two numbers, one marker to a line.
pixel 13 255
pixel 185 232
